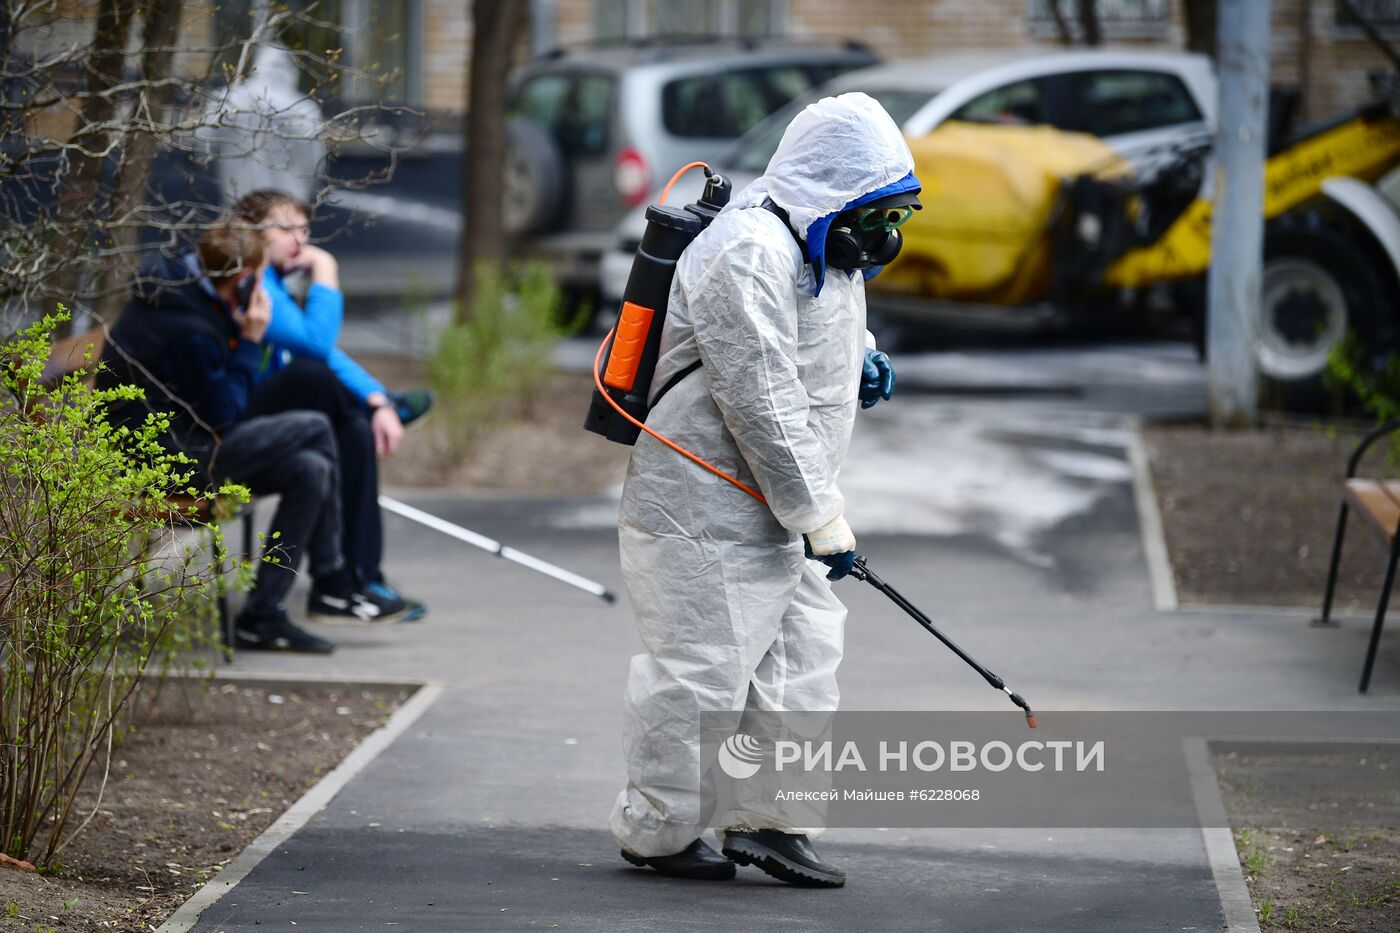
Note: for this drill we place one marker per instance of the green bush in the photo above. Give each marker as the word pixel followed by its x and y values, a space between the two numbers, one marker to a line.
pixel 491 364
pixel 86 612
pixel 1373 384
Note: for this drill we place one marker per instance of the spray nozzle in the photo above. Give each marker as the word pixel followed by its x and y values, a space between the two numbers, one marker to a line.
pixel 715 196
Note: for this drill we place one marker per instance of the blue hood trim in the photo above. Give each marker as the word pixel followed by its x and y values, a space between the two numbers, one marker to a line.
pixel 816 233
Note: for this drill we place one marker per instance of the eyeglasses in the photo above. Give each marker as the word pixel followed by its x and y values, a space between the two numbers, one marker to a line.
pixel 883 218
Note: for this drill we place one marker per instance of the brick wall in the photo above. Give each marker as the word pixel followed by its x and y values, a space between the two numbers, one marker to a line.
pixel 905 29
pixel 447 38
pixel 1339 63
pixel 1335 64
pixel 573 21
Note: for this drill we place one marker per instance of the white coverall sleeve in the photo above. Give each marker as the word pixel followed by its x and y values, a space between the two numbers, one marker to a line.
pixel 744 309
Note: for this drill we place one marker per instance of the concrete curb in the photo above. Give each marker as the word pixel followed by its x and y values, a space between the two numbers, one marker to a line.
pixel 1291 613
pixel 1235 905
pixel 1154 541
pixel 310 803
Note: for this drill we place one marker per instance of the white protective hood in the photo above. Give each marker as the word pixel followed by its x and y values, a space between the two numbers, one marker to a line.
pixel 836 154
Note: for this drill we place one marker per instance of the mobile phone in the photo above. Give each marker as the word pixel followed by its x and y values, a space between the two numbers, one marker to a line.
pixel 244 292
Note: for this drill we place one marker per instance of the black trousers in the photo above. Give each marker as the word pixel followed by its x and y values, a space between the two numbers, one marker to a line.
pixel 291 455
pixel 310 385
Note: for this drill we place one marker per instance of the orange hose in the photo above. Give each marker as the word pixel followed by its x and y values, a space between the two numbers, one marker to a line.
pixel 676 177
pixel 597 381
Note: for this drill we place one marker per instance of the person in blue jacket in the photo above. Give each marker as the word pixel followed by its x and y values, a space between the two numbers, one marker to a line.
pixel 303 368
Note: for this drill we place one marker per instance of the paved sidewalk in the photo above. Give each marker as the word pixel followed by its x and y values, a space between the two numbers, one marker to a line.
pixel 490 812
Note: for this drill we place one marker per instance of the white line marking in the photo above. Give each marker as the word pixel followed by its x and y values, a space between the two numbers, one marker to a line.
pixel 1235 905
pixel 1154 541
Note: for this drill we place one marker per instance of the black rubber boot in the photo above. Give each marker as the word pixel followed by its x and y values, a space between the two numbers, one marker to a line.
pixel 697 861
pixel 786 856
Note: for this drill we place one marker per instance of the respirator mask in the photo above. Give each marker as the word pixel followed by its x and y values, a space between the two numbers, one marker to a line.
pixel 867 237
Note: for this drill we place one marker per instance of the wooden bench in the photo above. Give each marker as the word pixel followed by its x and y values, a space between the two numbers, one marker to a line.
pixel 1377 501
pixel 76 353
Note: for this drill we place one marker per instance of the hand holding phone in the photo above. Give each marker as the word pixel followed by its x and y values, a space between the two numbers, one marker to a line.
pixel 254 310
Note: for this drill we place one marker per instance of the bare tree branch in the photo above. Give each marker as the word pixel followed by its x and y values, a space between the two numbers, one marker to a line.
pixel 116 119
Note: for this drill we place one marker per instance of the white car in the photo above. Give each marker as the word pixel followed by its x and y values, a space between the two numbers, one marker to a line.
pixel 1137 101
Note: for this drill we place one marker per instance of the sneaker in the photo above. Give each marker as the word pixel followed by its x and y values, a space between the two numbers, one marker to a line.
pixel 347 606
pixel 276 633
pixel 391 602
pixel 411 405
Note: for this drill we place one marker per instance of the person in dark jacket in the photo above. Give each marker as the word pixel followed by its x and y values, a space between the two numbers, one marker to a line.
pixel 190 337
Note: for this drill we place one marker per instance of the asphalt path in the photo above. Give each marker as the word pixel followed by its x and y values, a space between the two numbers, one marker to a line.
pixel 490 811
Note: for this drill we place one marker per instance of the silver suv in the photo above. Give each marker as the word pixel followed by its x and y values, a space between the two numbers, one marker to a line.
pixel 597 131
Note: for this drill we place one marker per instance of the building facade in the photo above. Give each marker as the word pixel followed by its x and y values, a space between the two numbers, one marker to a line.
pixel 1313 46
pixel 416 52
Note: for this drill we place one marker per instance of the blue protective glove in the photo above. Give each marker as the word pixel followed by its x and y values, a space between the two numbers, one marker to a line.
pixel 840 564
pixel 876 378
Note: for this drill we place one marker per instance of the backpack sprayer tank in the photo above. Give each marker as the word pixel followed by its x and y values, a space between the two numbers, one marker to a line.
pixel 636 342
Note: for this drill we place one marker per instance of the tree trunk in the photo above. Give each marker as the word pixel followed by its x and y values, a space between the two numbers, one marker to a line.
pixel 1089 22
pixel 9 120
pixel 1201 16
pixel 160 32
pixel 80 208
pixel 495 26
pixel 1061 24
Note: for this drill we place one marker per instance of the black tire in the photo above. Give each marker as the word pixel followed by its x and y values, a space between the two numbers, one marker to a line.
pixel 1319 281
pixel 1189 298
pixel 535 194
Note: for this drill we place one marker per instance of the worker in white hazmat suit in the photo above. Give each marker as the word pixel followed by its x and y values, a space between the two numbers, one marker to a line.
pixel 769 300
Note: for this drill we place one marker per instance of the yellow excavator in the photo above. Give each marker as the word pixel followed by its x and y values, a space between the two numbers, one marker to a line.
pixel 1027 222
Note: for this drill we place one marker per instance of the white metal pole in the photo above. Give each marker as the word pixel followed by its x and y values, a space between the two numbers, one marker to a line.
pixel 468 536
pixel 1237 234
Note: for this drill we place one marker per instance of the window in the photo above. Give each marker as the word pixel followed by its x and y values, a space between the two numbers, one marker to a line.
pixel 1383 15
pixel 584 129
pixel 1110 103
pixel 902 104
pixel 379 44
pixel 1118 19
pixel 730 104
pixel 752 153
pixel 636 19
pixel 543 99
pixel 573 107
pixel 1020 103
pixel 693 18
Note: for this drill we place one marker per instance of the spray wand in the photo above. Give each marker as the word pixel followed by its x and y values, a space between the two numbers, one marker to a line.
pixel 862 572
